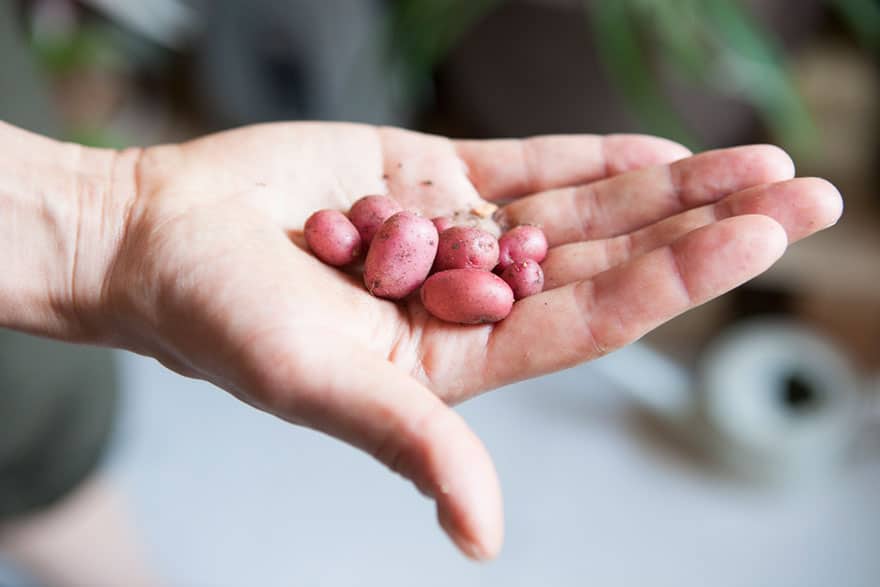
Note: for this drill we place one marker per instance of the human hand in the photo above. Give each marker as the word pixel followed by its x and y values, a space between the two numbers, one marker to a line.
pixel 206 276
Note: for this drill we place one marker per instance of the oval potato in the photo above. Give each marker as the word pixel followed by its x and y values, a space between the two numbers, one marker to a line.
pixel 463 247
pixel 443 223
pixel 400 256
pixel 525 278
pixel 520 243
pixel 332 237
pixel 369 213
pixel 467 296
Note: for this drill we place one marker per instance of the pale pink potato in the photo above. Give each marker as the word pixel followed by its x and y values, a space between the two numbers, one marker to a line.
pixel 467 296
pixel 471 218
pixel 443 223
pixel 332 237
pixel 369 213
pixel 521 243
pixel 525 278
pixel 400 256
pixel 464 247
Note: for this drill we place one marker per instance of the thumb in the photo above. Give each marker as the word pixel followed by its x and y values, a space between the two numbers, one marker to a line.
pixel 377 407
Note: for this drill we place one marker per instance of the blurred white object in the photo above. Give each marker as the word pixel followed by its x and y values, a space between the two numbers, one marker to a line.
pixel 772 398
pixel 782 400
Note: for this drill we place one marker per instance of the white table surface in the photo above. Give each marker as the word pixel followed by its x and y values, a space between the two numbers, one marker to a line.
pixel 227 496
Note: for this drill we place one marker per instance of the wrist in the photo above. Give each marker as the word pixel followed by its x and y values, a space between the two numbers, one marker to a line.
pixel 62 218
pixel 105 191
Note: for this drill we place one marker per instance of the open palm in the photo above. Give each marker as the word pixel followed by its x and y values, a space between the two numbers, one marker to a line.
pixel 212 278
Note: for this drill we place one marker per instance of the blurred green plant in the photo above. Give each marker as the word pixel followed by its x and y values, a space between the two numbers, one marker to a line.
pixel 91 46
pixel 713 44
pixel 863 16
pixel 422 32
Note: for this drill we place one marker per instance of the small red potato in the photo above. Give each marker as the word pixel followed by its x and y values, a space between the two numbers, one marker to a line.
pixel 467 296
pixel 369 213
pixel 521 243
pixel 443 223
pixel 463 247
pixel 477 219
pixel 400 256
pixel 525 278
pixel 332 237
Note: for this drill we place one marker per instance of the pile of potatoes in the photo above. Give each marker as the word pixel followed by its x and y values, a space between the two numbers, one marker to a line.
pixel 466 274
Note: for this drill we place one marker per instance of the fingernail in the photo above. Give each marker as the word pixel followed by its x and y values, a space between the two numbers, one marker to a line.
pixel 475 552
pixel 470 548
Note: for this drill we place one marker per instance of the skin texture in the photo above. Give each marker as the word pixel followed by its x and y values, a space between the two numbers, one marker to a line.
pixel 463 247
pixel 401 256
pixel 525 278
pixel 467 296
pixel 369 213
pixel 521 243
pixel 332 237
pixel 192 254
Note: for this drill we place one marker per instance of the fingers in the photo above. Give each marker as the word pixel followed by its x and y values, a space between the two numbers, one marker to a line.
pixel 627 202
pixel 586 319
pixel 802 206
pixel 377 407
pixel 508 168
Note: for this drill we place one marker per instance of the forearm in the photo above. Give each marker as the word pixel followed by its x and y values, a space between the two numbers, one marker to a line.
pixel 62 217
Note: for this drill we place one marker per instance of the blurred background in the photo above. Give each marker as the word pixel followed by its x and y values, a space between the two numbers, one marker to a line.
pixel 737 445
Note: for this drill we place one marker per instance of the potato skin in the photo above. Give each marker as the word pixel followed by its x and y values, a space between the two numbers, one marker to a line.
pixel 467 296
pixel 369 213
pixel 470 218
pixel 462 247
pixel 525 278
pixel 400 256
pixel 521 243
pixel 443 223
pixel 332 237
